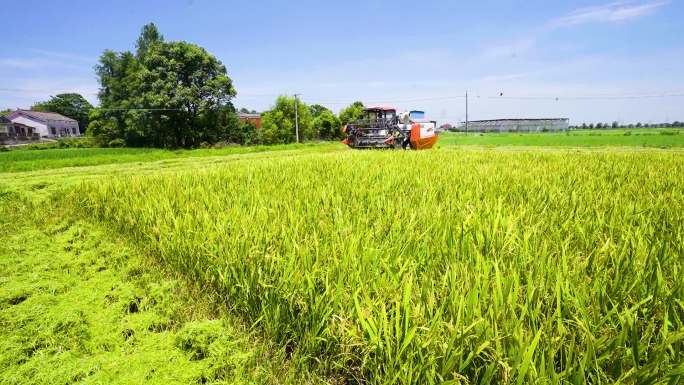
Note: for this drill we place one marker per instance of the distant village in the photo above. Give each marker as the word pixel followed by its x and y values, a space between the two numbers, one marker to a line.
pixel 22 126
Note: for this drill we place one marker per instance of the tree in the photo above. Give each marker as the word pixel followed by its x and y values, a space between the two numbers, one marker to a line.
pixel 249 133
pixel 328 125
pixel 244 110
pixel 106 129
pixel 169 94
pixel 591 126
pixel 325 123
pixel 240 132
pixel 638 125
pixel 317 110
pixel 351 113
pixel 149 37
pixel 599 125
pixel 615 124
pixel 71 105
pixel 584 126
pixel 278 124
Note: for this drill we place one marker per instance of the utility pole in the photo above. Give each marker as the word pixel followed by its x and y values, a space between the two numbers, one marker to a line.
pixel 466 100
pixel 296 118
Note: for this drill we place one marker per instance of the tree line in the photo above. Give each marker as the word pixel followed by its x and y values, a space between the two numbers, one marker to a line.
pixel 177 95
pixel 590 126
pixel 174 94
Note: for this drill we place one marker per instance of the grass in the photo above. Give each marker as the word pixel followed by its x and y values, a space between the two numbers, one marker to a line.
pixel 671 137
pixel 467 266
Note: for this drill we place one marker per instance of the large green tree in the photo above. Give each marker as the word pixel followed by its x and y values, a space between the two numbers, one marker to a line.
pixel 71 105
pixel 351 113
pixel 278 124
pixel 167 94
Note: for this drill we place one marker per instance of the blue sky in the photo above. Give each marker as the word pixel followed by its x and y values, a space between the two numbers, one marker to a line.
pixel 415 55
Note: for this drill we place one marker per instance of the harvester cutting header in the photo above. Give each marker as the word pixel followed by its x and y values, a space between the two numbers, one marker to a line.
pixel 382 127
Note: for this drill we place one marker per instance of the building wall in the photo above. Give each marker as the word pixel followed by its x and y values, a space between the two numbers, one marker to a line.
pixel 51 128
pixel 255 120
pixel 39 127
pixel 518 125
pixel 63 128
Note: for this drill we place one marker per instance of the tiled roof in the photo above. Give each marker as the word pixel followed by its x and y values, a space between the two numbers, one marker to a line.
pixel 45 115
pixel 243 115
pixel 4 120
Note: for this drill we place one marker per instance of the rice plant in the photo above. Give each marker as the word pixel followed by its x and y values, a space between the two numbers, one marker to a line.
pixel 434 267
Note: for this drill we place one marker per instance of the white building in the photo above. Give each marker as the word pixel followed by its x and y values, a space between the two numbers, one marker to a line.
pixel 46 124
pixel 516 125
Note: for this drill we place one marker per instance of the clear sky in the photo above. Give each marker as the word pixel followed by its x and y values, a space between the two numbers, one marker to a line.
pixel 514 57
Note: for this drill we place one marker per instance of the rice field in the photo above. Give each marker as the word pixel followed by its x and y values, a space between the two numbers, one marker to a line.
pixel 632 137
pixel 444 266
pixel 31 159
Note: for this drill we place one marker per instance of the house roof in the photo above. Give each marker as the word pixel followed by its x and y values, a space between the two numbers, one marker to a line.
pixel 45 116
pixel 243 115
pixel 4 120
pixel 380 108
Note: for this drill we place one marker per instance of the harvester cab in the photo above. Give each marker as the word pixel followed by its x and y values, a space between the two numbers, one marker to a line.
pixel 382 127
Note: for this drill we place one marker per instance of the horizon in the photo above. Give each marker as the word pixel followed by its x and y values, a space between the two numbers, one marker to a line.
pixel 586 61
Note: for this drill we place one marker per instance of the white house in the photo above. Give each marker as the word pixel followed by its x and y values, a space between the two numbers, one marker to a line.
pixel 46 124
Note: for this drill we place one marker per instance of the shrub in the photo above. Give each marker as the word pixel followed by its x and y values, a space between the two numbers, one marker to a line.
pixel 116 143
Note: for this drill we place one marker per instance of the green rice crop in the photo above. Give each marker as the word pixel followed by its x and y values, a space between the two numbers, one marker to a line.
pixel 646 137
pixel 433 267
pixel 27 159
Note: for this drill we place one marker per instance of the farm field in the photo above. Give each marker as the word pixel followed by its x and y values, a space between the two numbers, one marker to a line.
pixel 644 137
pixel 30 158
pixel 27 159
pixel 458 265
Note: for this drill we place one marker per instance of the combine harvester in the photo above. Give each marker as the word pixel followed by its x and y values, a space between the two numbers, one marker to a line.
pixel 382 127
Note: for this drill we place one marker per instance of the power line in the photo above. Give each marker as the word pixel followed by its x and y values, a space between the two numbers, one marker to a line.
pixel 518 97
pixel 394 100
pixel 589 97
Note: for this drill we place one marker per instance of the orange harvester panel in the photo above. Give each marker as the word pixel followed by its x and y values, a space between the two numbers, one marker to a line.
pixel 422 137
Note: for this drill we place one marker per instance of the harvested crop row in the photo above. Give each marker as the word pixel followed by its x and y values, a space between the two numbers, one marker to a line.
pixel 414 268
